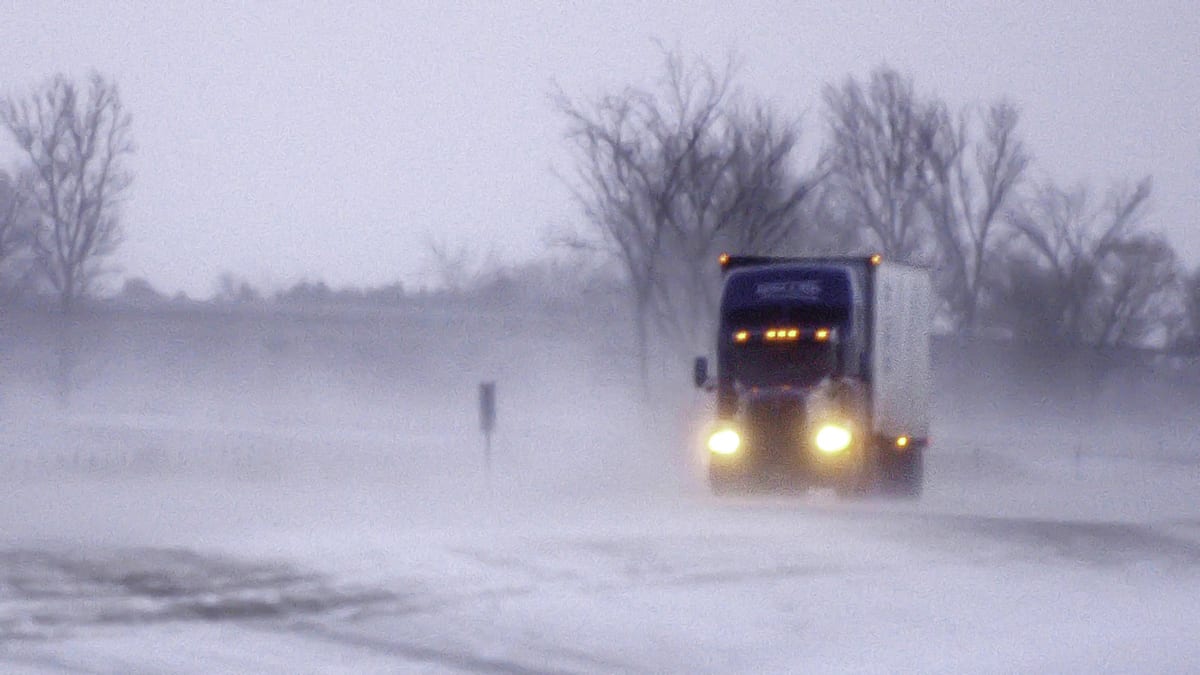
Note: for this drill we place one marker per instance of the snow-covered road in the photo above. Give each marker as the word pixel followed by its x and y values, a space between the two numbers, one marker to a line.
pixel 197 544
pixel 1042 567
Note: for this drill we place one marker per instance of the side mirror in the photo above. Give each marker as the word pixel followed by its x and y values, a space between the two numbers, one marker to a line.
pixel 700 372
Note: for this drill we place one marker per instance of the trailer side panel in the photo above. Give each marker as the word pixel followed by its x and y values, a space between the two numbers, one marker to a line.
pixel 902 380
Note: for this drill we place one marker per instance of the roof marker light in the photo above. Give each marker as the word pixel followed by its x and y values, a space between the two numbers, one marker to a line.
pixel 876 259
pixel 786 333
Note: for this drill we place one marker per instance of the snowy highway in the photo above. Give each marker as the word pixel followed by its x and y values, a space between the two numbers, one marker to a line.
pixel 1009 564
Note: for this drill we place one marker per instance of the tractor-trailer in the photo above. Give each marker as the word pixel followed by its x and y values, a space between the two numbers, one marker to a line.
pixel 822 375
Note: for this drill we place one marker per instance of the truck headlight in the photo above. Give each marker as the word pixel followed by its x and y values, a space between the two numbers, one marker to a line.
pixel 833 438
pixel 724 442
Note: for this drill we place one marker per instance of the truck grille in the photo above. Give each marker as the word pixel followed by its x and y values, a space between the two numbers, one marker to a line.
pixel 775 429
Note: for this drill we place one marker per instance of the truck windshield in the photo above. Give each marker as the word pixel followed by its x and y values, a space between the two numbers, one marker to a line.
pixel 801 363
pixel 766 315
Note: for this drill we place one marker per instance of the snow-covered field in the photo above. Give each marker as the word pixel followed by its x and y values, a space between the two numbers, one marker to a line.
pixel 208 539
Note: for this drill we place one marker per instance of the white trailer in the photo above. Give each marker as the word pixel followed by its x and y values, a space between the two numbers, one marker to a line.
pixel 901 378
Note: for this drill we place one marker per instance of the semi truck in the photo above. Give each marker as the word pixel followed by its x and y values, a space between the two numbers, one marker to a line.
pixel 822 375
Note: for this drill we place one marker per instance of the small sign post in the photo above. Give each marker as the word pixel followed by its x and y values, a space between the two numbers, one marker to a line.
pixel 487 422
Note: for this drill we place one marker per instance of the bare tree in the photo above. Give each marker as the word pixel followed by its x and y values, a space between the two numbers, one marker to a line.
pixel 1087 273
pixel 76 139
pixel 16 233
pixel 1138 279
pixel 1188 337
pixel 828 225
pixel 668 176
pixel 631 151
pixel 742 189
pixel 972 182
pixel 458 267
pixel 877 155
pixel 741 194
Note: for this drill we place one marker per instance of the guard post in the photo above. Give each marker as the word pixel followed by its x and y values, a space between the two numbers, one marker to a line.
pixel 487 422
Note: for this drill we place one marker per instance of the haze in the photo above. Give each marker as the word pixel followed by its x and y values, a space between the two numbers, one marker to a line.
pixel 287 141
pixel 250 491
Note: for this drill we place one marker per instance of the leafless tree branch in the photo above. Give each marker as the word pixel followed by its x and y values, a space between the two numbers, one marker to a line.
pixel 76 141
pixel 669 176
pixel 877 155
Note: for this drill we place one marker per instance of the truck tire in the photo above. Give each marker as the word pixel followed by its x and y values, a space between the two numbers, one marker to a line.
pixel 862 480
pixel 855 486
pixel 904 475
pixel 722 483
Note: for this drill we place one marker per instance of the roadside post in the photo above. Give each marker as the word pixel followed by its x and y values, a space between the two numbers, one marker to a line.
pixel 487 423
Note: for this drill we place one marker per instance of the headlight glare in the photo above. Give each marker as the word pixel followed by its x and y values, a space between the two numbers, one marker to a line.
pixel 832 439
pixel 724 442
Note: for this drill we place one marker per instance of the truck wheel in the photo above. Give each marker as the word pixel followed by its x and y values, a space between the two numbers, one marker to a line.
pixel 862 480
pixel 904 475
pixel 854 487
pixel 721 483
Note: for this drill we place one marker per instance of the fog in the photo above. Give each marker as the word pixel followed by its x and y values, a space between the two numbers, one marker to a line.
pixel 245 490
pixel 343 403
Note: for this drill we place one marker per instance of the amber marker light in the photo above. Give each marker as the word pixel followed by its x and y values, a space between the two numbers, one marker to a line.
pixel 876 259
pixel 741 336
pixel 902 442
pixel 821 335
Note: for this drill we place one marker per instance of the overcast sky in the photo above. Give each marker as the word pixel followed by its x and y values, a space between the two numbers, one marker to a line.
pixel 335 140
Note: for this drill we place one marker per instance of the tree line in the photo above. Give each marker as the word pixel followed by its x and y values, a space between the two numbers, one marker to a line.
pixel 669 175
